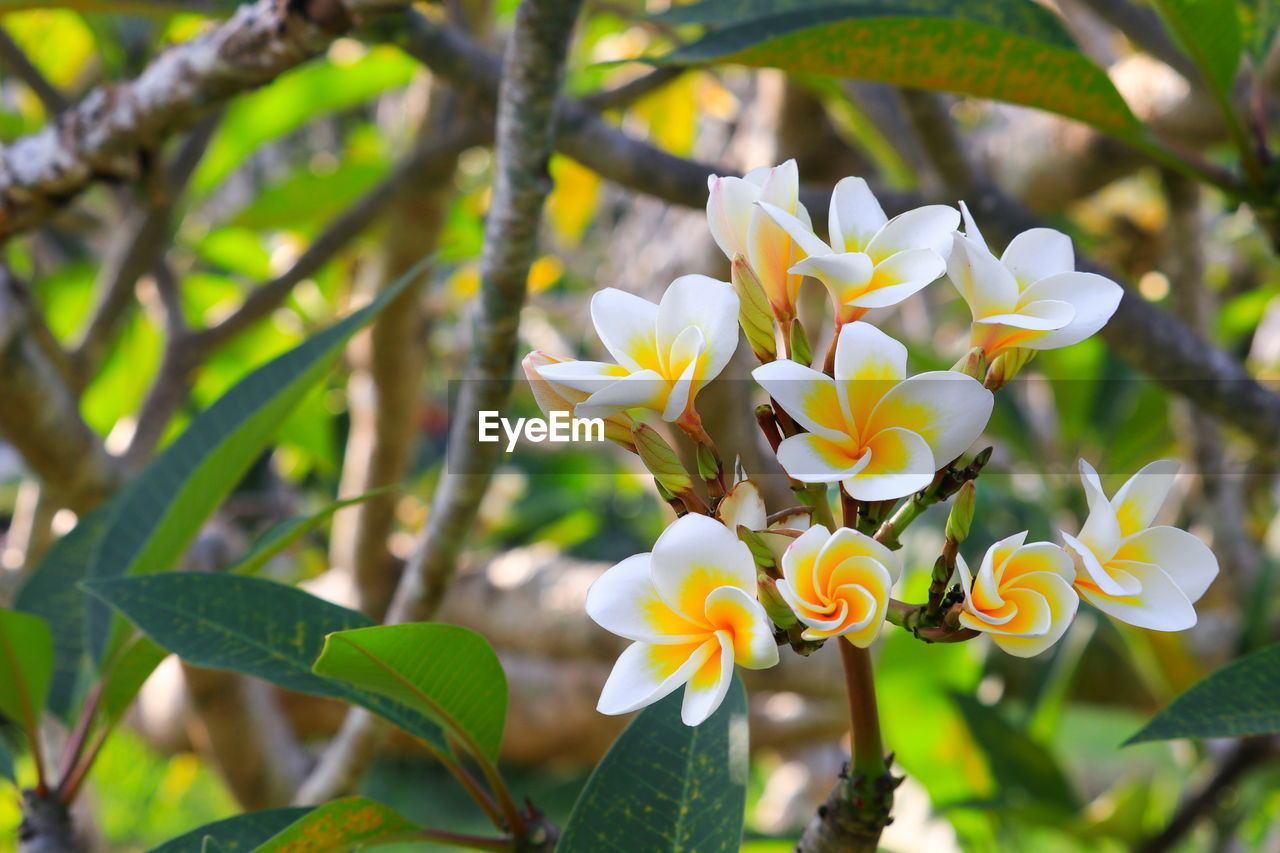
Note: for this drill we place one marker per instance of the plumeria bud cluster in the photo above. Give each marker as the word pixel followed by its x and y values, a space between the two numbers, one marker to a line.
pixel 727 582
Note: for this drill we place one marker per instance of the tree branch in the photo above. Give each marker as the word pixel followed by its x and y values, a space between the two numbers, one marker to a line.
pixel 41 415
pixel 19 65
pixel 108 134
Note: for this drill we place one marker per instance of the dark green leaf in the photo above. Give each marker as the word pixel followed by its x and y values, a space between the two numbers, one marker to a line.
pixel 235 834
pixel 52 591
pixel 1208 30
pixel 282 535
pixel 948 54
pixel 341 825
pixel 161 511
pixel 125 676
pixel 665 787
pixel 251 626
pixel 6 763
pixel 1023 768
pixel 1242 698
pixel 1023 17
pixel 445 672
pixel 26 668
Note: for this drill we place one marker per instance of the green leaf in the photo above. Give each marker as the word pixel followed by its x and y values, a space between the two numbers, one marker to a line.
pixel 282 535
pixel 26 668
pixel 125 676
pixel 160 512
pixel 1015 16
pixel 948 54
pixel 1208 30
pixel 1241 699
pixel 6 763
pixel 52 591
pixel 294 99
pixel 341 825
pixel 445 672
pixel 665 787
pixel 251 626
pixel 1260 21
pixel 240 833
pixel 1023 768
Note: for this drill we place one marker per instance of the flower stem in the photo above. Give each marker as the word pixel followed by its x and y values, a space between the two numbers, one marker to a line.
pixel 868 748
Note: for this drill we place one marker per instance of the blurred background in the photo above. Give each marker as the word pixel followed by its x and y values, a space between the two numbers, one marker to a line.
pixel 287 204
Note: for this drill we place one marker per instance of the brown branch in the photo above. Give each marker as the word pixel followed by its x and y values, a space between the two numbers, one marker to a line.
pixel 41 416
pixel 626 94
pixel 1244 757
pixel 108 134
pixel 15 60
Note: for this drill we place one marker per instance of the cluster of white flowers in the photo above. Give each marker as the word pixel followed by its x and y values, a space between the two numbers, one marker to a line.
pixel 695 606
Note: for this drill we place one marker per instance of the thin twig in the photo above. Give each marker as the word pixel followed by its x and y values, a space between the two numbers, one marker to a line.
pixel 626 94
pixel 13 58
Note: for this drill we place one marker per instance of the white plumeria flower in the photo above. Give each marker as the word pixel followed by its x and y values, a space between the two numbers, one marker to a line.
pixel 1021 596
pixel 740 227
pixel 1147 576
pixel 879 433
pixel 552 398
pixel 691 608
pixel 838 584
pixel 666 352
pixel 1031 297
pixel 872 261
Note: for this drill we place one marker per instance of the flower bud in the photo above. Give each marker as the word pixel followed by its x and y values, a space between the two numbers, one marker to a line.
pixel 661 460
pixel 801 350
pixel 974 364
pixel 554 397
pixel 1006 366
pixel 754 314
pixel 774 604
pixel 961 517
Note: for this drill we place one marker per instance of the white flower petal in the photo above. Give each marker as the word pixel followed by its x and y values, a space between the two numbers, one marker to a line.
pixel 805 394
pixel 695 555
pixel 846 276
pixel 810 244
pixel 970 227
pixel 1101 530
pixel 1090 571
pixel 743 506
pixel 1038 253
pixel 1160 606
pixel 984 282
pixel 865 353
pixel 928 227
pixel 645 389
pixel 739 616
pixel 1139 500
pixel 645 673
pixel 729 209
pixel 1179 554
pixel 900 463
pixel 624 601
pixel 813 458
pixel 708 686
pixel 1093 297
pixel 947 409
pixel 854 216
pixel 688 351
pixel 586 377
pixel 1045 315
pixel 708 305
pixel 625 324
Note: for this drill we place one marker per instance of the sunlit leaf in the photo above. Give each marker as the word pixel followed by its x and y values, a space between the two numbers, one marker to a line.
pixel 940 53
pixel 445 672
pixel 52 591
pixel 163 508
pixel 1242 698
pixel 26 668
pixel 235 834
pixel 1209 30
pixel 1023 17
pixel 250 626
pixel 665 787
pixel 341 825
pixel 282 535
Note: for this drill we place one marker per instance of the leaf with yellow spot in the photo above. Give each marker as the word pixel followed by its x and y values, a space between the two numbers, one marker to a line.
pixel 341 825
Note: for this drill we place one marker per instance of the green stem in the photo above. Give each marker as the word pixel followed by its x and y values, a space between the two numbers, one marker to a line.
pixel 868 747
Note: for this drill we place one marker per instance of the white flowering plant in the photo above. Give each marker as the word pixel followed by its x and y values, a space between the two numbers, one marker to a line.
pixel 867 447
